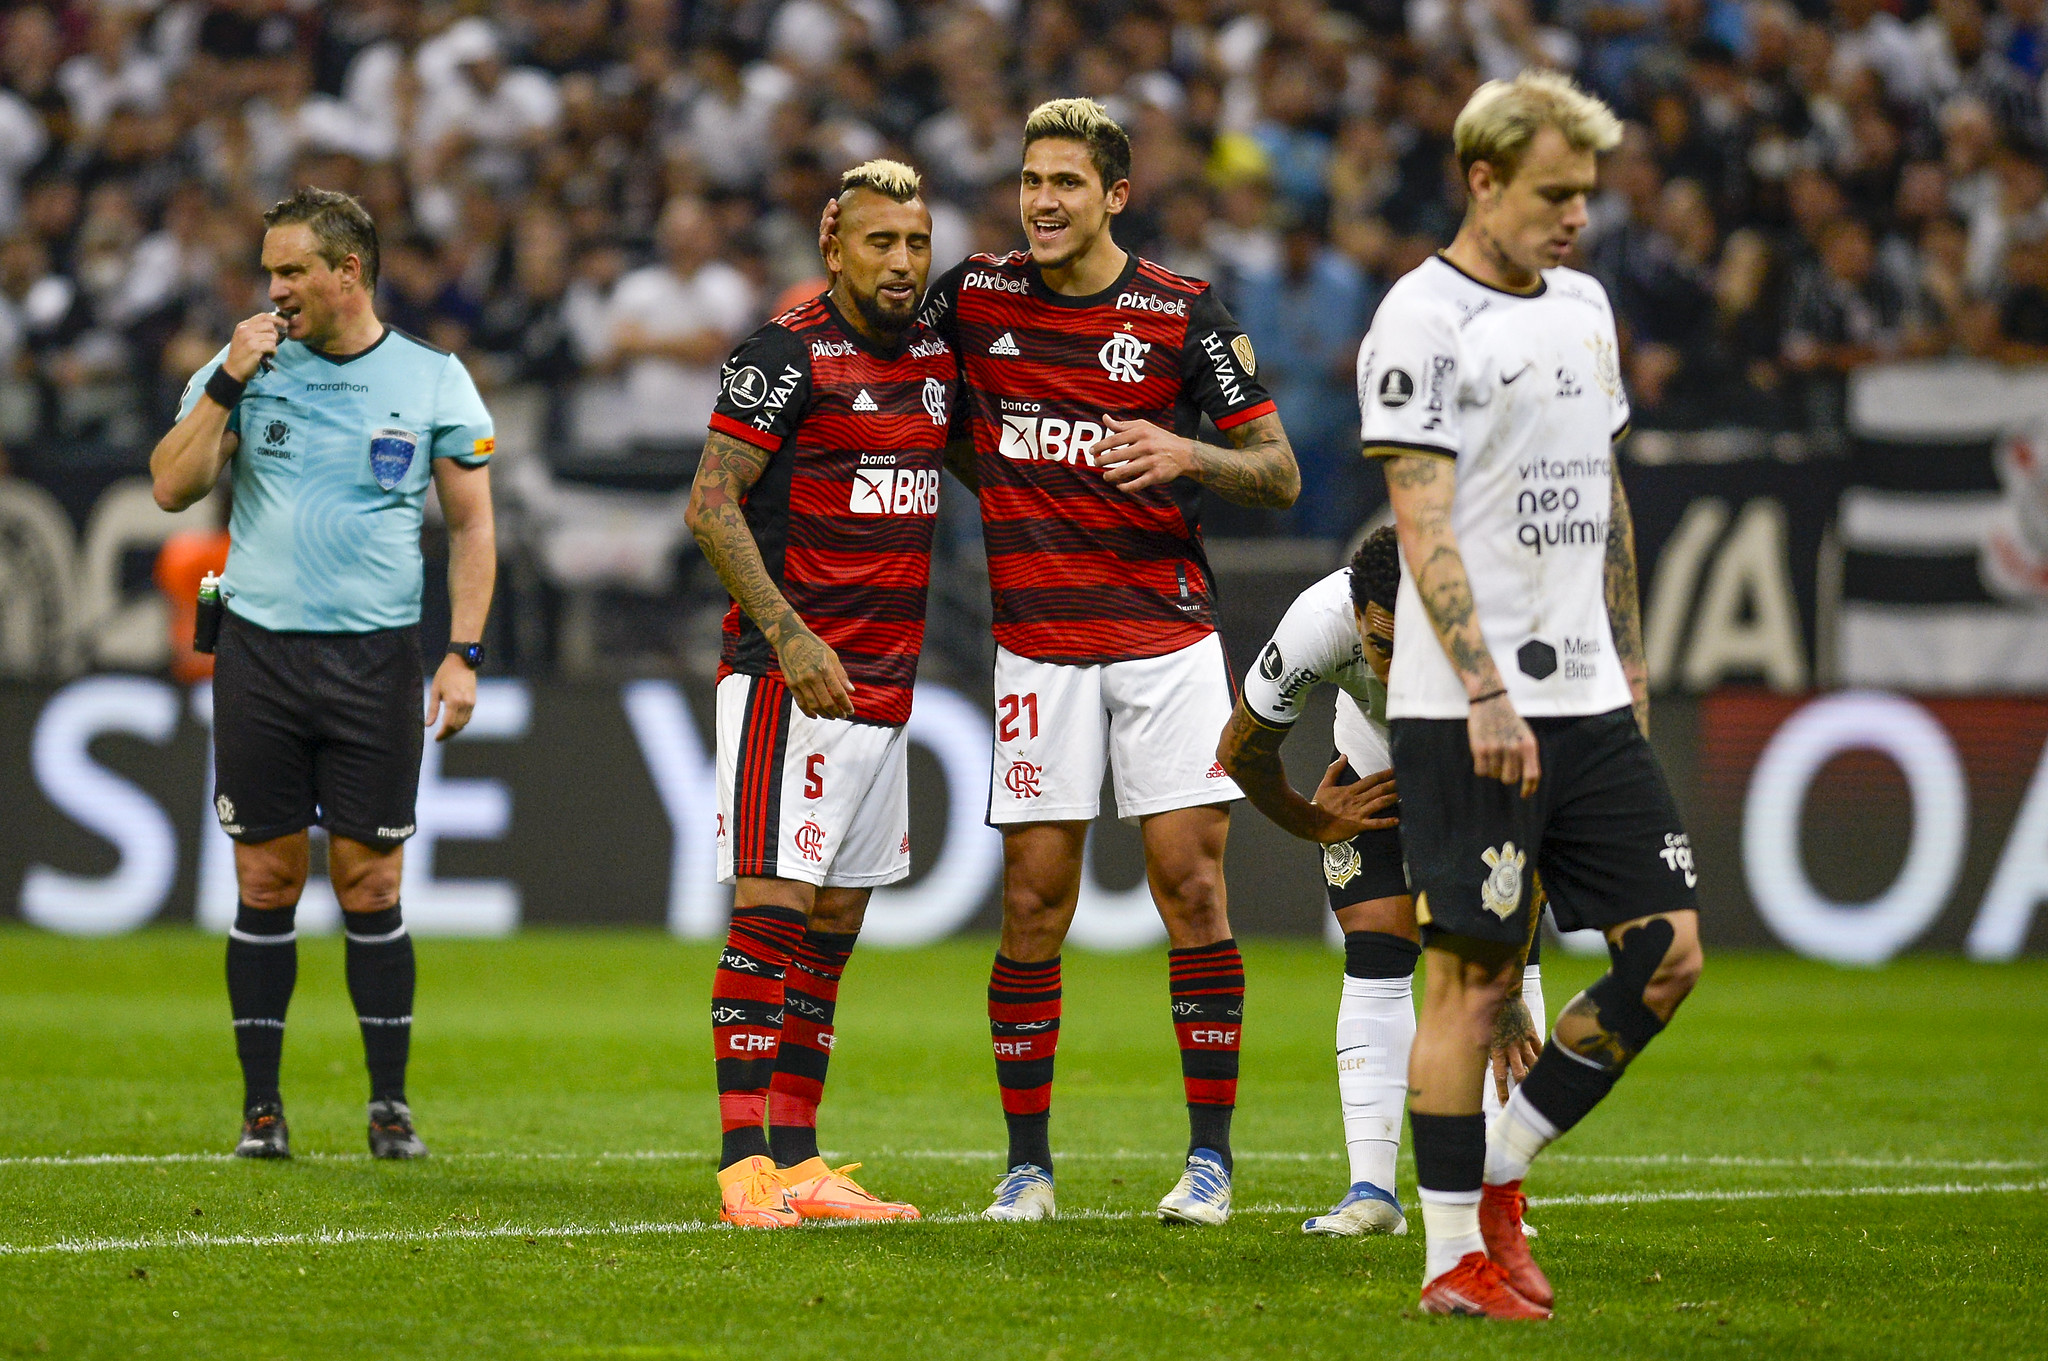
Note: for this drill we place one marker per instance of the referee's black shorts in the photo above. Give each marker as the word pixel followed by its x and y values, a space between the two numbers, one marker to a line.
pixel 1601 829
pixel 316 728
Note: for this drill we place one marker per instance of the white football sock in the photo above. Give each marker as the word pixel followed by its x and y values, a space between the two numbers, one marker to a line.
pixel 1532 998
pixel 1515 1139
pixel 1375 1028
pixel 1451 1221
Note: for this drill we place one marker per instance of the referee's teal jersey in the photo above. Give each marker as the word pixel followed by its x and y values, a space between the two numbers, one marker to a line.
pixel 331 476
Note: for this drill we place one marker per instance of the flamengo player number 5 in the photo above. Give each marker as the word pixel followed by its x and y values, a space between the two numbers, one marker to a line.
pixel 1008 709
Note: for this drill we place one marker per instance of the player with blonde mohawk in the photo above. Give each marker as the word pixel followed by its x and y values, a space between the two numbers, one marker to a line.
pixel 1490 386
pixel 815 502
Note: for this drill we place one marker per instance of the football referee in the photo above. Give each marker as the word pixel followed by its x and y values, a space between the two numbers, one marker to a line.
pixel 332 423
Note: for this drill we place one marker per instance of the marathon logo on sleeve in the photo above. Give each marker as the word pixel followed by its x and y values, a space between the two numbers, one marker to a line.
pixel 484 448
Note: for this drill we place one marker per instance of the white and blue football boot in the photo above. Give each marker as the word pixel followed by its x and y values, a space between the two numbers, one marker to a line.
pixel 1202 1195
pixel 1364 1209
pixel 1024 1193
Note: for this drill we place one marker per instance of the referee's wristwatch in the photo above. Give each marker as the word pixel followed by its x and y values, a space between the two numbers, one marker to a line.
pixel 472 653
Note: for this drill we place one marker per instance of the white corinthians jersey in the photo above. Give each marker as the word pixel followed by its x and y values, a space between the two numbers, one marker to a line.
pixel 1524 393
pixel 1317 644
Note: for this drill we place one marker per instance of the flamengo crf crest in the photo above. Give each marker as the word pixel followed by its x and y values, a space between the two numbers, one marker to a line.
pixel 1501 894
pixel 935 400
pixel 1123 357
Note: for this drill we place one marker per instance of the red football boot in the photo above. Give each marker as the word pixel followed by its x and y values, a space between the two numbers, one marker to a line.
pixel 1479 1288
pixel 1500 1224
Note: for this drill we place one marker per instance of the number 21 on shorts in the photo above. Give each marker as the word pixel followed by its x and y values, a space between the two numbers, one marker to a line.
pixel 1010 709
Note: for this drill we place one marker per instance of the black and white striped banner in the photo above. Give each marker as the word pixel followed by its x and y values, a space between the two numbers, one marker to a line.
pixel 1944 529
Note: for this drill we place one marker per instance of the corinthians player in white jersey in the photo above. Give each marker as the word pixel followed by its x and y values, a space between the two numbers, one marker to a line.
pixel 1340 632
pixel 1489 385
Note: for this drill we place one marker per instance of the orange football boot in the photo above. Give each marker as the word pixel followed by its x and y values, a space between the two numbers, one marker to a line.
pixel 754 1196
pixel 820 1192
pixel 1500 1224
pixel 1478 1287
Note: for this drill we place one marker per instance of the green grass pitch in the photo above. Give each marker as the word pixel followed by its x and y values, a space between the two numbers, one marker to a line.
pixel 1811 1163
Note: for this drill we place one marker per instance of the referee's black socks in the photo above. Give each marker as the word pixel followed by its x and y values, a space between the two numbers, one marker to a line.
pixel 263 966
pixel 380 982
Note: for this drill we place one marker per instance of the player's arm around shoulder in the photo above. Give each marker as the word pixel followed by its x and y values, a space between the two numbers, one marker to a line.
pixel 189 459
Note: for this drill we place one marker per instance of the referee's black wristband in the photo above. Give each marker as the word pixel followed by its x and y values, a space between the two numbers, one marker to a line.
pixel 225 388
pixel 1490 694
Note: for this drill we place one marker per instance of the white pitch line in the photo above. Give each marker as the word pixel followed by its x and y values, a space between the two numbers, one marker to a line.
pixel 347 1237
pixel 1791 1193
pixel 1103 1155
pixel 1731 1160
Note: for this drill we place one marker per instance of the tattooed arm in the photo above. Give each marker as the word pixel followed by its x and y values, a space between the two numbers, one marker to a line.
pixel 1250 753
pixel 1421 487
pixel 1624 609
pixel 716 517
pixel 1258 470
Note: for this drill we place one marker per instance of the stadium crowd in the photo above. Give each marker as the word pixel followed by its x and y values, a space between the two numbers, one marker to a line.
pixel 601 196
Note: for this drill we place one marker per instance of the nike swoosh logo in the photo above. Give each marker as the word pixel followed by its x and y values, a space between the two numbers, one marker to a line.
pixel 1505 379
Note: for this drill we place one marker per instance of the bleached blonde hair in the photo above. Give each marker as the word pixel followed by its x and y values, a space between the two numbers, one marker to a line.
pixel 1087 122
pixel 891 179
pixel 1504 116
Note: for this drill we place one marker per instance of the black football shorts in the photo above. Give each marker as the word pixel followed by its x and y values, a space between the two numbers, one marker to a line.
pixel 1366 867
pixel 1601 829
pixel 316 728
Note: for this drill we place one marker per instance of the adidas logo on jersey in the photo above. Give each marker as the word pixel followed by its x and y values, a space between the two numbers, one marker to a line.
pixel 1005 345
pixel 865 402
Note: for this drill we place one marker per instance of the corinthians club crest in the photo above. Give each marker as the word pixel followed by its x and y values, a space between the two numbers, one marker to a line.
pixel 1501 894
pixel 1340 863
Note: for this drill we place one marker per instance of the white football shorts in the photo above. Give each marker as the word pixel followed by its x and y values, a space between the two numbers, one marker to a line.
pixel 1155 720
pixel 824 800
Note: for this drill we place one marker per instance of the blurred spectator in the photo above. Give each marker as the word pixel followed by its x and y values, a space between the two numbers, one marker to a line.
pixel 598 196
pixel 671 326
pixel 1844 313
pixel 1304 316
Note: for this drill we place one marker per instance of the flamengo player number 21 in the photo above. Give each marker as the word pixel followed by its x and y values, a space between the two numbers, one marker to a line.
pixel 1008 709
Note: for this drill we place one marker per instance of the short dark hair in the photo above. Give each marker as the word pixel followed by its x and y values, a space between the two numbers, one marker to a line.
pixel 1376 570
pixel 1086 122
pixel 341 226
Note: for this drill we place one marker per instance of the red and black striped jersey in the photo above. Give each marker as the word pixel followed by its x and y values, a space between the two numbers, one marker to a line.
pixel 1083 572
pixel 843 512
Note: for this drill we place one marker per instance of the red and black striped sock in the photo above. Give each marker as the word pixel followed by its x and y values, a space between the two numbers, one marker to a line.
pixel 746 1021
pixel 809 998
pixel 1024 1024
pixel 1208 1018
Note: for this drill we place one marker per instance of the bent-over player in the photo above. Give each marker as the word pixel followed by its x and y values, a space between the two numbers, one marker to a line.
pixel 815 501
pixel 333 424
pixel 1490 386
pixel 1340 632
